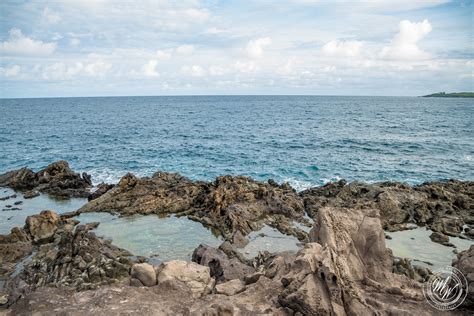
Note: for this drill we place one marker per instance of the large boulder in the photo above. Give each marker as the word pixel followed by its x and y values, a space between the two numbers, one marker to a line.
pixel 42 226
pixel 196 277
pixel 231 287
pixel 145 273
pixel 222 266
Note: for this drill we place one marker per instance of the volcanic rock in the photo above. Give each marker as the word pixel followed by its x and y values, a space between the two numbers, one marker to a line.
pixel 443 206
pixel 229 204
pixel 57 179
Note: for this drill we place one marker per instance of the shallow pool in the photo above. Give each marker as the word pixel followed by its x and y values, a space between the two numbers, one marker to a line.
pixel 269 239
pixel 11 218
pixel 162 239
pixel 416 244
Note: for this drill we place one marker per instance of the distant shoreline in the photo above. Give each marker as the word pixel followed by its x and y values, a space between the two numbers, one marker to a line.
pixel 450 95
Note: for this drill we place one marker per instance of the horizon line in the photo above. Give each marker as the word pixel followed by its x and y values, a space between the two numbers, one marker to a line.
pixel 208 95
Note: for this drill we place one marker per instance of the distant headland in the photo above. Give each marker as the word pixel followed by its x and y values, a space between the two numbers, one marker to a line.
pixel 450 95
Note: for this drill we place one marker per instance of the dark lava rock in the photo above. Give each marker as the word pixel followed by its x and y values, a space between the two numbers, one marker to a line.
pixel 30 194
pixel 228 204
pixel 100 190
pixel 56 179
pixel 443 206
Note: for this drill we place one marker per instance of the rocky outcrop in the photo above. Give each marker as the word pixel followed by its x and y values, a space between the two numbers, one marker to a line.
pixel 345 269
pixel 61 253
pixel 443 206
pixel 465 263
pixel 57 179
pixel 229 204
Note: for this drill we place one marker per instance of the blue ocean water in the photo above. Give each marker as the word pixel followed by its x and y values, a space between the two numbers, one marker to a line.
pixel 305 140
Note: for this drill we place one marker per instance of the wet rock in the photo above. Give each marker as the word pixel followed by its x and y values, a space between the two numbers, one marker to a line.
pixel 441 239
pixel 43 226
pixel 469 232
pixel 18 203
pixel 30 194
pixel 57 179
pixel 196 277
pixel 145 273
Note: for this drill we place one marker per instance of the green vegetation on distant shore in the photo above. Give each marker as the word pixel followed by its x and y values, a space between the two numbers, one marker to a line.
pixel 450 95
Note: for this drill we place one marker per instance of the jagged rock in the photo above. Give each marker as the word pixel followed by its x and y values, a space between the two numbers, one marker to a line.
pixel 13 248
pixel 56 179
pixel 145 273
pixel 229 204
pixel 43 226
pixel 231 287
pixel 194 276
pixel 444 206
pixel 346 262
pixel 100 190
pixel 465 263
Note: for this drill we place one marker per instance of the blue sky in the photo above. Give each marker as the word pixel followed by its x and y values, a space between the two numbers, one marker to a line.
pixel 105 47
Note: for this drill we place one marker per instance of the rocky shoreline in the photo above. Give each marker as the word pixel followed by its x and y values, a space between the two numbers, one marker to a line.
pixel 343 267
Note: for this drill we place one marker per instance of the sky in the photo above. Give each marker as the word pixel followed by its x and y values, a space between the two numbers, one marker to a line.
pixel 192 47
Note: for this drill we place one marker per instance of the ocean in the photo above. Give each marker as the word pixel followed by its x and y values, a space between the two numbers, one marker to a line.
pixel 304 140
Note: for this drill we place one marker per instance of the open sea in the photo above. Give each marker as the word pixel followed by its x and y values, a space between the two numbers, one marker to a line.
pixel 305 140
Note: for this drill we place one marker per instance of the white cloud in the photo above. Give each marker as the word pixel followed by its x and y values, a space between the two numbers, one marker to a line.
pixel 19 44
pixel 404 44
pixel 74 41
pixel 342 48
pixel 198 15
pixel 61 71
pixel 12 71
pixel 162 55
pixel 245 66
pixel 98 68
pixel 90 67
pixel 50 16
pixel 149 69
pixel 217 70
pixel 185 49
pixel 194 71
pixel 256 47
